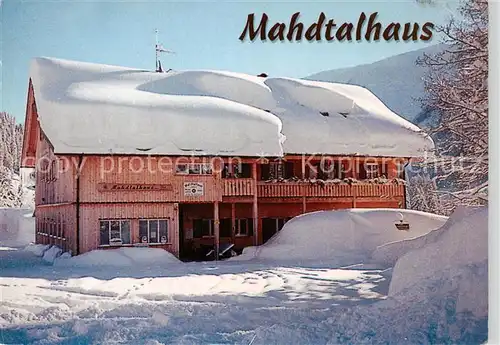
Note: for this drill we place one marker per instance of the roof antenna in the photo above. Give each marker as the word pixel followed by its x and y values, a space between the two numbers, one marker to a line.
pixel 159 49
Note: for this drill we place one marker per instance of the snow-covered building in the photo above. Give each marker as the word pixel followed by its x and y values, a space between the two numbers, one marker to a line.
pixel 188 160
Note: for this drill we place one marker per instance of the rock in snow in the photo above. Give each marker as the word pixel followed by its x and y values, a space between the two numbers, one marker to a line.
pixel 92 108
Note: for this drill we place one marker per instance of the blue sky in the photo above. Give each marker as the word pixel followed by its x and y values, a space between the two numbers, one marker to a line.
pixel 204 35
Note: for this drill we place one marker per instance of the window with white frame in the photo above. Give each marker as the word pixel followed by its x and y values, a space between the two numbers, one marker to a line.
pixel 372 170
pixel 114 232
pixel 194 169
pixel 244 227
pixel 153 230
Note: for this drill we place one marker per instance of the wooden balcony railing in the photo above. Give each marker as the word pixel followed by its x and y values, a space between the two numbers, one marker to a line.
pixel 247 187
pixel 298 189
pixel 238 187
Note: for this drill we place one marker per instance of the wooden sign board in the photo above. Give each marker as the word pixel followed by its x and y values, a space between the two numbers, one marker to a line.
pixel 125 187
pixel 193 189
pixel 403 226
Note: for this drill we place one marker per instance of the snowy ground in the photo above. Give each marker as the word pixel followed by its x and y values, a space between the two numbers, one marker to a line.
pixel 220 302
pixel 96 299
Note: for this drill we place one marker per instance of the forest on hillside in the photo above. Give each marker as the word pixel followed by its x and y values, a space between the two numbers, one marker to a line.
pixel 11 143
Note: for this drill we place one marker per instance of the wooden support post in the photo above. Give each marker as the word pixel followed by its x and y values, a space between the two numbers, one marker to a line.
pixel 255 210
pixel 233 221
pixel 216 229
pixel 304 206
pixel 354 194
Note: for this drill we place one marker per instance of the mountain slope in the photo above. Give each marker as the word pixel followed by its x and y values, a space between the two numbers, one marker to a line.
pixel 396 80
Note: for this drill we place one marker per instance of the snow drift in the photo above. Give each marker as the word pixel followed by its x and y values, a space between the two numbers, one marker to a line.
pixel 17 226
pixel 92 108
pixel 120 257
pixel 348 236
pixel 438 293
pixel 462 241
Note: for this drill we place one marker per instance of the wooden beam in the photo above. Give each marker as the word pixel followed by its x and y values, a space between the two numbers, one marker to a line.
pixel 233 222
pixel 216 229
pixel 255 208
pixel 304 206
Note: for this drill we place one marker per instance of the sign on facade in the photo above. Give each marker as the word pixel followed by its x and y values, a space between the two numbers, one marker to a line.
pixel 114 187
pixel 193 189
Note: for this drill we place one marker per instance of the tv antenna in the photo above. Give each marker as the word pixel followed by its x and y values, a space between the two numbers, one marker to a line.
pixel 159 49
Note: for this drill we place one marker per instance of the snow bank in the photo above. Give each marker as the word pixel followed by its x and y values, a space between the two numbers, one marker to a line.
pixel 17 227
pixel 438 293
pixel 37 249
pixel 120 257
pixel 348 236
pixel 389 253
pixel 462 241
pixel 212 112
pixel 51 254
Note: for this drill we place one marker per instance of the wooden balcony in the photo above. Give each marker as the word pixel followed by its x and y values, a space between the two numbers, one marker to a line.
pixel 331 190
pixel 247 187
pixel 238 187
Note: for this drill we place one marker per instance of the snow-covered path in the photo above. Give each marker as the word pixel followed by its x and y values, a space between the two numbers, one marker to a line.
pixel 223 302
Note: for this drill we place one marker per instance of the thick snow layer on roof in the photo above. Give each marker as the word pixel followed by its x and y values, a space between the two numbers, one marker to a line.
pixel 92 108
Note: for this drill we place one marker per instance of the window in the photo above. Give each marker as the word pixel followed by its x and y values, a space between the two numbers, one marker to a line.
pixel 244 227
pixel 194 169
pixel 203 228
pixel 271 226
pixel 114 232
pixel 153 230
pixel 241 170
pixel 372 170
pixel 277 170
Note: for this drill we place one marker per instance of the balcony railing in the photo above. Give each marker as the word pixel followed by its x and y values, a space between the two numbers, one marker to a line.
pixel 298 189
pixel 238 187
pixel 246 187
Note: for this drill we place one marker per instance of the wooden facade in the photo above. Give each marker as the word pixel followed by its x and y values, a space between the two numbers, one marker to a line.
pixel 188 205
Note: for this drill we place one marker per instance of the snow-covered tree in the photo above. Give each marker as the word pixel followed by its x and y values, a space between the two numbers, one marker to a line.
pixel 457 88
pixel 11 136
pixel 422 196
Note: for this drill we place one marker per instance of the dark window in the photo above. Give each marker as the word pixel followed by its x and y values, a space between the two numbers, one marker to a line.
pixel 329 170
pixel 289 170
pixel 203 228
pixel 265 172
pixel 372 170
pixel 242 170
pixel 114 232
pixel 193 169
pixel 244 227
pixel 153 230
pixel 361 171
pixel 276 170
pixel 270 226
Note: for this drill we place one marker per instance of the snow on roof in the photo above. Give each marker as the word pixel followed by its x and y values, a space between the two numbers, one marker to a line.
pixel 93 108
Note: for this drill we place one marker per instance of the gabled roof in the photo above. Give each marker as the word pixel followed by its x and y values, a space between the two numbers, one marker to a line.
pixel 99 109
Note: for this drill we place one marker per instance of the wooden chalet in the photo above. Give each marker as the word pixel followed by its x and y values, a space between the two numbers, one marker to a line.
pixel 89 198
